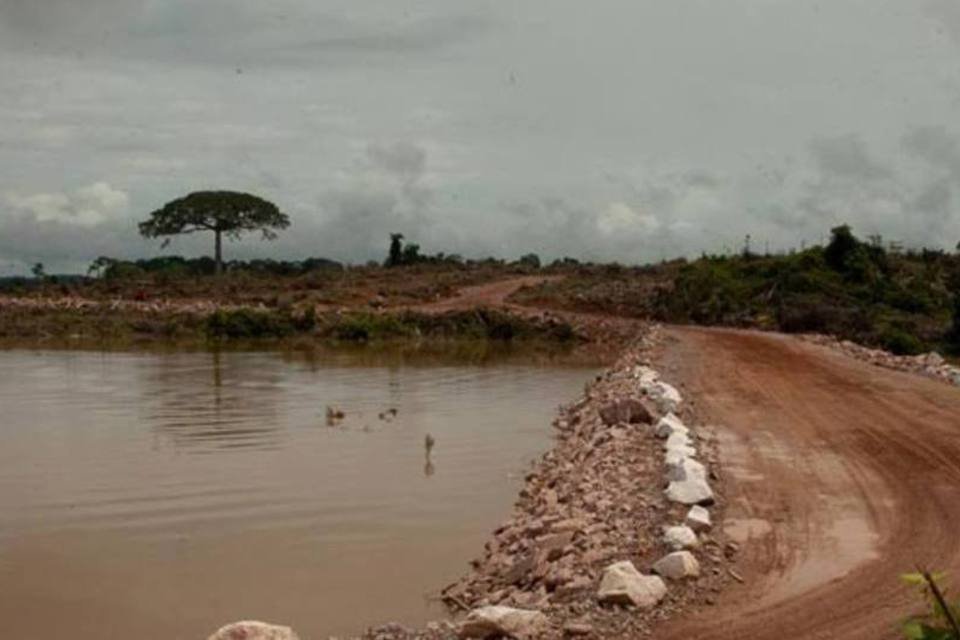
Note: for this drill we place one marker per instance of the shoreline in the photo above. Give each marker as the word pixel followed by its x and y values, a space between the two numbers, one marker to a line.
pixel 595 498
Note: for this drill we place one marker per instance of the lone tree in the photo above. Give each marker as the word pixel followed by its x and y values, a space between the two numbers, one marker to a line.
pixel 227 213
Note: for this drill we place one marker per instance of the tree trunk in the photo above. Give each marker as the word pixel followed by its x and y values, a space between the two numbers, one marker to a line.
pixel 218 251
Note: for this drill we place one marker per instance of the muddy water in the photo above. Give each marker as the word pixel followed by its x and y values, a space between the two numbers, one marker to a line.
pixel 160 495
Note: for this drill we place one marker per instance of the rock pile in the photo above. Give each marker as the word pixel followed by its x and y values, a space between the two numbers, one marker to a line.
pixel 621 491
pixel 611 530
pixel 928 364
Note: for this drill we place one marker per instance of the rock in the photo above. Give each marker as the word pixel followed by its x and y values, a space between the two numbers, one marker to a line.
pixel 933 359
pixel 494 621
pixel 698 519
pixel 668 425
pixel 690 491
pixel 646 376
pixel 570 524
pixel 681 537
pixel 685 468
pixel 577 629
pixel 551 545
pixel 623 584
pixel 676 452
pixel 625 410
pixel 677 440
pixel 575 586
pixel 677 566
pixel 667 396
pixel 253 630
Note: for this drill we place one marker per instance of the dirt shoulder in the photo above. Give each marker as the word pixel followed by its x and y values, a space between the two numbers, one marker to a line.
pixel 840 476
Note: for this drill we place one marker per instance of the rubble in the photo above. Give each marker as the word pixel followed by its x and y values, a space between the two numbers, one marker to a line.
pixel 692 490
pixel 623 584
pixel 677 566
pixel 680 537
pixel 698 519
pixel 594 508
pixel 495 622
pixel 931 365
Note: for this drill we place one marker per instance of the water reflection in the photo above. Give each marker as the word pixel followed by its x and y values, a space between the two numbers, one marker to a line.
pixel 205 402
pixel 99 484
pixel 428 468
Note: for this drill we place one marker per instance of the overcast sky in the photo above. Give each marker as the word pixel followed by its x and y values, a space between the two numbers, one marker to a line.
pixel 631 130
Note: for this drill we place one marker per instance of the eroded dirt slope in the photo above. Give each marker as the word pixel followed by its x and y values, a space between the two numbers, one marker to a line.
pixel 843 475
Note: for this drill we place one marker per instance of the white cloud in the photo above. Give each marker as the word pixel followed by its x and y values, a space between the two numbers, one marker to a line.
pixel 620 218
pixel 88 206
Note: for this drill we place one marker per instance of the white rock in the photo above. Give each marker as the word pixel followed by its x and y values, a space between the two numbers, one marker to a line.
pixel 666 396
pixel 623 584
pixel 676 440
pixel 698 519
pixel 646 376
pixel 680 537
pixel 668 425
pixel 496 621
pixel 677 566
pixel 675 457
pixel 253 630
pixel 933 359
pixel 684 468
pixel 690 491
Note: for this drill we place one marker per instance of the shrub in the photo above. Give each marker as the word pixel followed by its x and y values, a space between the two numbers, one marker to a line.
pixel 940 622
pixel 900 342
pixel 248 323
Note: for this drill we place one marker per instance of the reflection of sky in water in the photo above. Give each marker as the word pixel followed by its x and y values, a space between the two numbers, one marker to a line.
pixel 211 484
pixel 98 439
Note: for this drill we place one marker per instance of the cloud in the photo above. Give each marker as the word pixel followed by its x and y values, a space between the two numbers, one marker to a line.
pixel 619 218
pixel 88 206
pixel 386 191
pixel 232 32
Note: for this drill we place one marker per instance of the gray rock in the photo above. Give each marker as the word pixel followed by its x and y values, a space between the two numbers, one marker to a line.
pixel 698 519
pixel 625 410
pixel 677 566
pixel 495 621
pixel 623 584
pixel 253 630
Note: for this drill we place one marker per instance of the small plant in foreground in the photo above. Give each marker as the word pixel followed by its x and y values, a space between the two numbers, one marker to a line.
pixel 941 620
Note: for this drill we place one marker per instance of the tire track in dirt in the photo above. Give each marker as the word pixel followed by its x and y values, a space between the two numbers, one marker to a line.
pixel 845 474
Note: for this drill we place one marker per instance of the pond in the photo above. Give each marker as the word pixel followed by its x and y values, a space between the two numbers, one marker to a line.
pixel 160 495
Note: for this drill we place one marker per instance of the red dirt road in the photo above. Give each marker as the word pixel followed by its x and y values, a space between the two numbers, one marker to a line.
pixel 489 294
pixel 842 476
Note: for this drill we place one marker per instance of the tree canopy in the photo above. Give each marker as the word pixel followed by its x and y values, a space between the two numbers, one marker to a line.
pixel 227 213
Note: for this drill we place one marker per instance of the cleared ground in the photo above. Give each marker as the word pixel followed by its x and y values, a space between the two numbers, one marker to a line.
pixel 842 474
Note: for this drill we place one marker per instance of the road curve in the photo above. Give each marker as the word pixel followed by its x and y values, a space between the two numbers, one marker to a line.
pixel 840 475
pixel 488 294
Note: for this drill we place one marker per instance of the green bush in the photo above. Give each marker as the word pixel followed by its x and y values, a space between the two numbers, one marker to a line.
pixel 900 342
pixel 941 621
pixel 362 327
pixel 248 323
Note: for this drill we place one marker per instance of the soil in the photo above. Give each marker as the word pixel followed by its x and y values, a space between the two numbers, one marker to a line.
pixel 839 476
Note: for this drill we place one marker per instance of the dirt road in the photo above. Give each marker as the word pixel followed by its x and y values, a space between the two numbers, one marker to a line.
pixel 489 294
pixel 844 475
